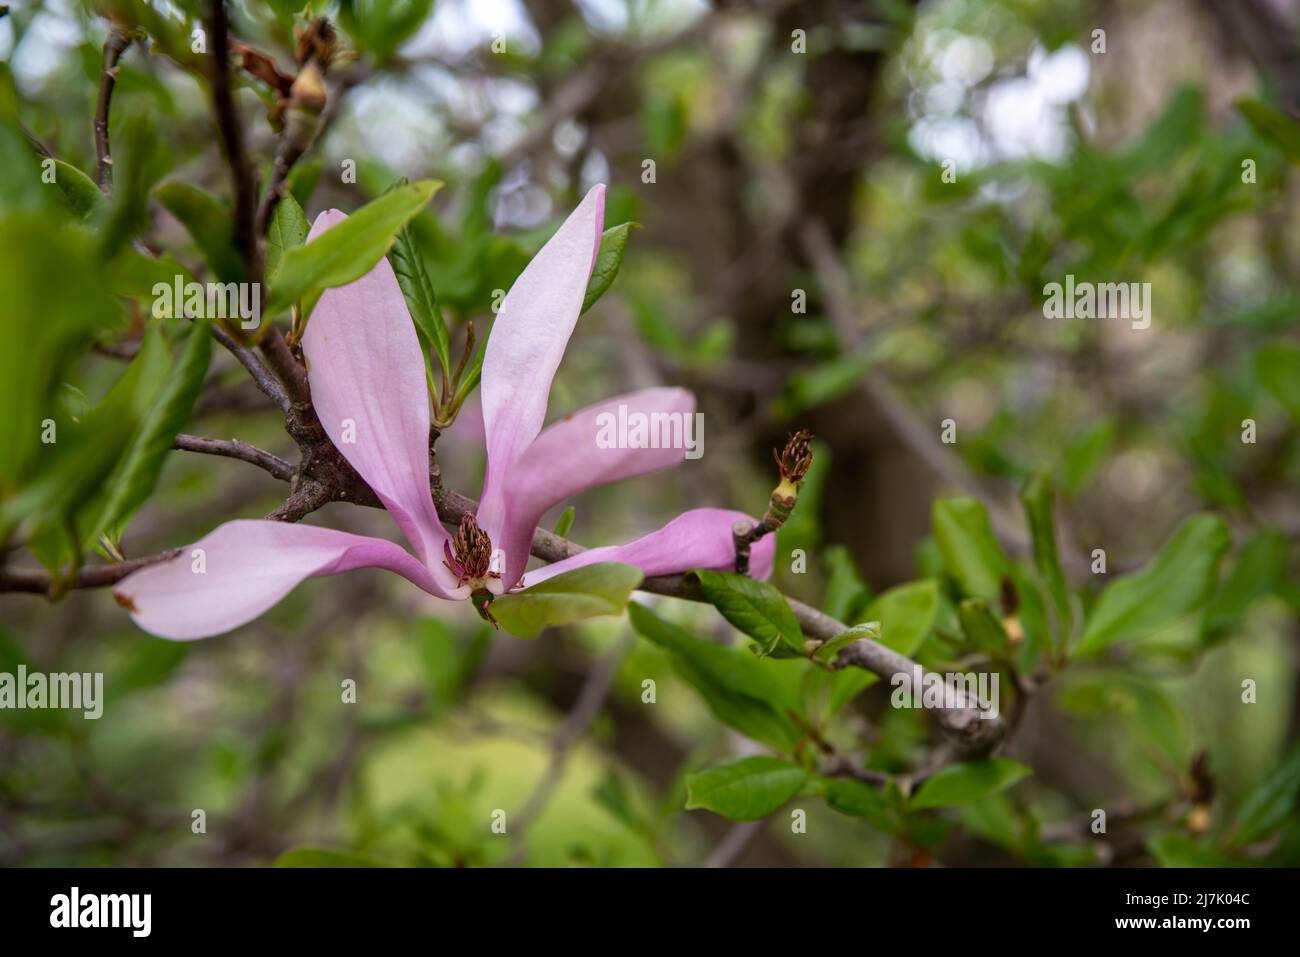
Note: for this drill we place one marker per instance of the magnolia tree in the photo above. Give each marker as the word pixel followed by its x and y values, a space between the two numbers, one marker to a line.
pixel 170 281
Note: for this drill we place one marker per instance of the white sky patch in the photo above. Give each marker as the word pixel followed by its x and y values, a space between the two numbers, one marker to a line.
pixel 652 19
pixel 965 61
pixel 1022 122
pixel 46 46
pixel 1061 76
pixel 595 169
pixel 964 117
pixel 950 139
pixel 459 27
pixel 396 125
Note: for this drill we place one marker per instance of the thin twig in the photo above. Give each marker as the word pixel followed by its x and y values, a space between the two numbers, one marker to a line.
pixel 116 44
pixel 38 582
pixel 262 376
pixel 289 370
pixel 242 172
pixel 739 837
pixel 244 180
pixel 236 449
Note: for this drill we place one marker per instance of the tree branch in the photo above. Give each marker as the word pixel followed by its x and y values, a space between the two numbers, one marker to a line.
pixel 116 44
pixel 262 376
pixel 734 844
pixel 235 449
pixel 242 172
pixel 244 184
pixel 964 723
pixel 39 582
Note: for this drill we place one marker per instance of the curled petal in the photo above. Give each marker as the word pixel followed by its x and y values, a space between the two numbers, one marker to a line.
pixel 242 568
pixel 700 538
pixel 368 384
pixel 527 342
pixel 590 448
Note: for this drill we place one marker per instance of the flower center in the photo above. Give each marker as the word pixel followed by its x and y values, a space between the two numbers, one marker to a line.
pixel 468 555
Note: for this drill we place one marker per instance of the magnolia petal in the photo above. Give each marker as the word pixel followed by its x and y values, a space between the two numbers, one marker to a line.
pixel 527 343
pixel 700 538
pixel 589 448
pixel 368 384
pixel 242 568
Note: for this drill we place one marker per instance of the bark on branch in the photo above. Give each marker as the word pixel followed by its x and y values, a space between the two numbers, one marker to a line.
pixel 116 44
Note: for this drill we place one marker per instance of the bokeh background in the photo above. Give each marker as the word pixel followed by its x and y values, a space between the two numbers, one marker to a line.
pixel 916 172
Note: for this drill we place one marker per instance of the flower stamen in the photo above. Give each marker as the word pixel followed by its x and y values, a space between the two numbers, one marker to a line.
pixel 468 554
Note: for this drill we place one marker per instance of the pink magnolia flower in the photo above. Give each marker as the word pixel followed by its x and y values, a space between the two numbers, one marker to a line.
pixel 367 381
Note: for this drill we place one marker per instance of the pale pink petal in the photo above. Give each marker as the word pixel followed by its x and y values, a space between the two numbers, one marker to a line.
pixel 368 385
pixel 590 448
pixel 242 568
pixel 527 343
pixel 700 538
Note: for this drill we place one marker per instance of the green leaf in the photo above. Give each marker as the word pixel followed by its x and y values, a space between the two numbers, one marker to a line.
pixel 350 249
pixel 613 244
pixel 413 277
pixel 846 593
pixel 755 607
pixel 829 649
pixel 859 799
pixel 600 589
pixel 613 794
pixel 1271 803
pixel 1180 849
pixel 750 789
pixel 137 472
pixel 289 228
pixel 1279 371
pixel 1143 712
pixel 133 274
pixel 149 662
pixel 8 93
pixel 208 220
pixel 1177 581
pixel 906 614
pixel 1259 569
pixel 565 521
pixel 381 26
pixel 966 783
pixel 1038 498
pixel 1084 454
pixel 982 628
pixel 970 551
pixel 80 191
pixel 1276 127
pixel 85 453
pixel 52 318
pixel 473 369
pixel 323 857
pixel 736 686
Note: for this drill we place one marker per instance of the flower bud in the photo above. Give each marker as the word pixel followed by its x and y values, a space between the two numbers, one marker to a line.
pixel 794 461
